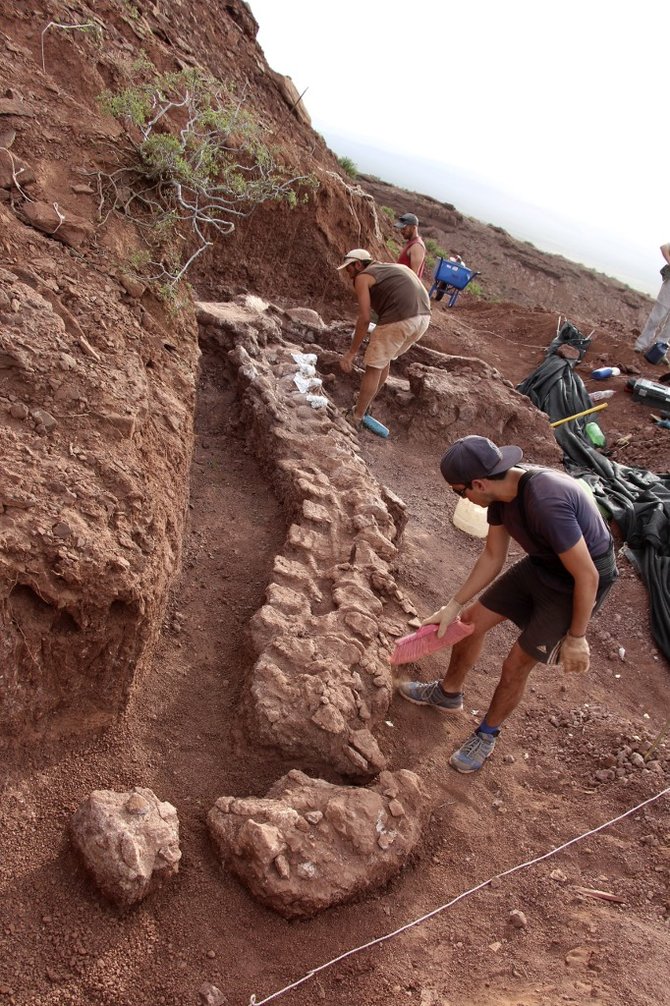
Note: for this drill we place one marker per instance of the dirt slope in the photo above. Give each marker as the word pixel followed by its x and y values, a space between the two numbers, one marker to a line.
pixel 512 270
pixel 182 733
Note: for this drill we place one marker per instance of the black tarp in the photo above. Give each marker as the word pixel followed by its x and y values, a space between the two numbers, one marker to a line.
pixel 638 500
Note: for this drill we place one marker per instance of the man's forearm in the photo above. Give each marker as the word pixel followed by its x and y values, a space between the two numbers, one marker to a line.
pixel 583 600
pixel 484 572
pixel 360 331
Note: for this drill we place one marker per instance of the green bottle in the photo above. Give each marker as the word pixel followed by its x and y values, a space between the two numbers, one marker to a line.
pixel 595 434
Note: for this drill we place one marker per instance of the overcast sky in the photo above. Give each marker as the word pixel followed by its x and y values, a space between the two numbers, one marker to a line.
pixel 563 107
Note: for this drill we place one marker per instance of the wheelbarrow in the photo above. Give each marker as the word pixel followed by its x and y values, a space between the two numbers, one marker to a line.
pixel 450 277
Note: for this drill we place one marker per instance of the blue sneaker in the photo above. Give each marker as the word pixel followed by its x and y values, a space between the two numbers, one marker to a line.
pixel 431 694
pixel 473 753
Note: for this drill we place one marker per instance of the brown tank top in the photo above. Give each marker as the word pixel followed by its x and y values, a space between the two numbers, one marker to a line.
pixel 397 293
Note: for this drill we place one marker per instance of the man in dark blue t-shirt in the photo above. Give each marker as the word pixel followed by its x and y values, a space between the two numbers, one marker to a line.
pixel 551 594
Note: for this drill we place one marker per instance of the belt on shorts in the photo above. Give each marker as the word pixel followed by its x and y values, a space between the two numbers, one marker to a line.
pixel 605 565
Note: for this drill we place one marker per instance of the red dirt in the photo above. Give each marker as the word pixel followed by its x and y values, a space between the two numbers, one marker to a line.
pixel 181 735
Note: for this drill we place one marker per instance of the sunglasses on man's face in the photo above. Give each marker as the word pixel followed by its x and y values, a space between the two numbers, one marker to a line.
pixel 461 491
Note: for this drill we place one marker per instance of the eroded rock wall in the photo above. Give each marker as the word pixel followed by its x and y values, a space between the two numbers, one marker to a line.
pixel 96 425
pixel 462 394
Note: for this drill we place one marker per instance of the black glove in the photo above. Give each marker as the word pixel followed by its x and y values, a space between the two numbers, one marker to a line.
pixel 665 271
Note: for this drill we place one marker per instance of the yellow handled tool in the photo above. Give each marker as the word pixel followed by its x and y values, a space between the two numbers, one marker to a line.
pixel 578 415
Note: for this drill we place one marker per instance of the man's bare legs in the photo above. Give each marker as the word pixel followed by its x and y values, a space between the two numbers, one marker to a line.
pixel 509 691
pixel 447 695
pixel 372 382
pixel 515 670
pixel 473 752
pixel 382 378
pixel 465 653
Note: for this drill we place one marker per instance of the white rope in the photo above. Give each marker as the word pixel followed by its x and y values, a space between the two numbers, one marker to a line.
pixel 436 911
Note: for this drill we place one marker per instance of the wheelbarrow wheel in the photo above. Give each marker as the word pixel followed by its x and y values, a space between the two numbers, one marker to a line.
pixel 440 291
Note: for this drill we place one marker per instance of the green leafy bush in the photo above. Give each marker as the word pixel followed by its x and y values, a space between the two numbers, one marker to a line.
pixel 348 166
pixel 196 159
pixel 433 252
pixel 475 289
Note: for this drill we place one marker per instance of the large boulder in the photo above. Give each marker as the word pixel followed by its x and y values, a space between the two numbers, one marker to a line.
pixel 58 223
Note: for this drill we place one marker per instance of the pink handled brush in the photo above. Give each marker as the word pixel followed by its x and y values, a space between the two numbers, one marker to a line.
pixel 424 641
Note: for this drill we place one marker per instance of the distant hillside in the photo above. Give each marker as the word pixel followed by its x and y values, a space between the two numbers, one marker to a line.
pixel 513 270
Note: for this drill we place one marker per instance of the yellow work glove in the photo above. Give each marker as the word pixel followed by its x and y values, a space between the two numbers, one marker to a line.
pixel 575 654
pixel 444 616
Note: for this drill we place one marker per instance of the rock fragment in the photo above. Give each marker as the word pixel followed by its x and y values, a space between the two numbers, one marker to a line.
pixel 58 223
pixel 517 919
pixel 210 995
pixel 309 844
pixel 129 842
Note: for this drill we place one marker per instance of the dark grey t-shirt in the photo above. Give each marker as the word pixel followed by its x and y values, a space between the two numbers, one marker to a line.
pixel 558 512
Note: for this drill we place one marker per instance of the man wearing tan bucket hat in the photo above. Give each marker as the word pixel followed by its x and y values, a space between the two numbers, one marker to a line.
pixel 400 302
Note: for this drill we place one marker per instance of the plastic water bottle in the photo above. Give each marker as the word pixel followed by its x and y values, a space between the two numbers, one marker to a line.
pixel 595 434
pixel 603 372
pixel 375 426
pixel 599 396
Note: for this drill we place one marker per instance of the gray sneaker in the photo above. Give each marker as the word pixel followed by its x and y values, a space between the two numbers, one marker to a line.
pixel 431 694
pixel 473 753
pixel 355 424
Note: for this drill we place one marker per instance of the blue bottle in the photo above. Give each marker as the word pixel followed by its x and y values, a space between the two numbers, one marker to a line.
pixel 604 372
pixel 375 426
pixel 656 353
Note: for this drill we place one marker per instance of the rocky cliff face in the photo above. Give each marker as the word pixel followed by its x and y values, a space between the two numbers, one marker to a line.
pixel 97 403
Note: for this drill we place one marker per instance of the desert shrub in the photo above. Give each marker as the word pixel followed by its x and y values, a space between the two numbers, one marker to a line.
pixel 475 289
pixel 393 247
pixel 387 211
pixel 348 166
pixel 433 252
pixel 195 162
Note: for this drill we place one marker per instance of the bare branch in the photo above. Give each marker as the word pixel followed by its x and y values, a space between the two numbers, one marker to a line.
pixel 61 217
pixel 16 173
pixel 65 27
